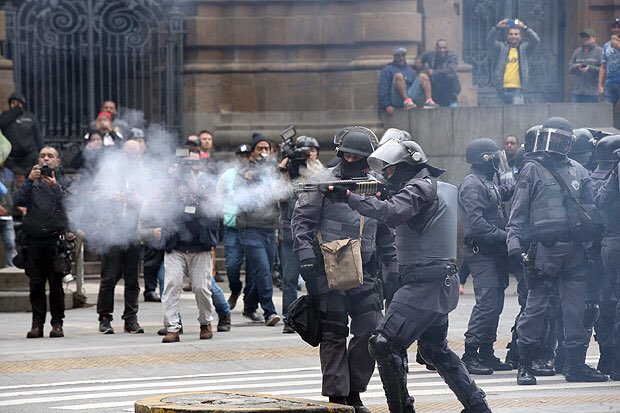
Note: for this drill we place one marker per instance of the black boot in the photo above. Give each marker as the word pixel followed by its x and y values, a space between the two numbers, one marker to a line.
pixel 473 363
pixel 420 360
pixel 576 370
pixel 512 356
pixel 560 359
pixel 606 360
pixel 338 400
pixel 353 399
pixel 391 366
pixel 525 377
pixel 487 357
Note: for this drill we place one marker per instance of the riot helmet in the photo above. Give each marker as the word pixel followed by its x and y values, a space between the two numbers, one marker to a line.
pixel 482 151
pixel 395 152
pixel 393 133
pixel 583 146
pixel 355 140
pixel 556 135
pixel 608 149
pixel 307 142
pixel 530 137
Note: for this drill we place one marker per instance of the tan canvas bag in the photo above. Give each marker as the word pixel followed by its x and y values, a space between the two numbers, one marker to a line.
pixel 343 262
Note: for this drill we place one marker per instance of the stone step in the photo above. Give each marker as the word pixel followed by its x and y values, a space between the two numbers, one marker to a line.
pixel 13 279
pixel 19 301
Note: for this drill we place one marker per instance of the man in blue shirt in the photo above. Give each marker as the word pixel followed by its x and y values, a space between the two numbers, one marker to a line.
pixel 609 73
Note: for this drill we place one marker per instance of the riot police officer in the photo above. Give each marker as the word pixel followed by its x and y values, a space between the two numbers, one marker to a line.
pixel 484 219
pixel 557 254
pixel 608 200
pixel 423 212
pixel 346 369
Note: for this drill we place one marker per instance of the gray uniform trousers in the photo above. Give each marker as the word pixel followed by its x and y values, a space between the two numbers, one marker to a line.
pixel 404 324
pixel 610 253
pixel 490 281
pixel 564 261
pixel 345 368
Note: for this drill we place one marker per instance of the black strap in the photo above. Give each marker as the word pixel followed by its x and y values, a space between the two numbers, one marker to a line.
pixel 566 193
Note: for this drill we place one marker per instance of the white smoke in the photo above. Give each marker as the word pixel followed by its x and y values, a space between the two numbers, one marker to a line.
pixel 124 187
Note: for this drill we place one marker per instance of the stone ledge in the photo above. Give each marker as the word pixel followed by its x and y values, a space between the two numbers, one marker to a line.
pixel 237 402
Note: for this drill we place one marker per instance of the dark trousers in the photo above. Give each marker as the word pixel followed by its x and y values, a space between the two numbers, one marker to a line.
pixel 119 263
pixel 610 253
pixel 234 259
pixel 259 247
pixel 564 262
pixel 290 274
pixel 153 260
pixel 489 285
pixel 39 268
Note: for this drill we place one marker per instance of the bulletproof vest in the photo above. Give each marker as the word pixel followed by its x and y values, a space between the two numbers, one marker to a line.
pixel 547 211
pixel 494 211
pixel 610 213
pixel 437 240
pixel 338 221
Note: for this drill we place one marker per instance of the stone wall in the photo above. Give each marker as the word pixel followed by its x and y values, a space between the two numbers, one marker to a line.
pixel 7 86
pixel 444 133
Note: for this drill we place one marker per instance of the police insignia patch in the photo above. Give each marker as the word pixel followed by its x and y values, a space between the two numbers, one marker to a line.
pixel 303 199
pixel 575 184
pixel 572 171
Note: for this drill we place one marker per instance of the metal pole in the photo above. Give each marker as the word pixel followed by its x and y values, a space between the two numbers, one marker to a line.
pixel 91 61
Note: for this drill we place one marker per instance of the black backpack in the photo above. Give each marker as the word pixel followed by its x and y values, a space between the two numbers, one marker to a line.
pixel 303 317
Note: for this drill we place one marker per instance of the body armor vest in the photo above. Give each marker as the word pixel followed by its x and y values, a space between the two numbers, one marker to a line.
pixel 610 213
pixel 494 212
pixel 437 241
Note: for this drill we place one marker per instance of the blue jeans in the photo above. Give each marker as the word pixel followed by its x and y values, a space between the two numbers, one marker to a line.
pixel 290 274
pixel 415 92
pixel 234 259
pixel 7 233
pixel 260 249
pixel 584 98
pixel 612 92
pixel 512 96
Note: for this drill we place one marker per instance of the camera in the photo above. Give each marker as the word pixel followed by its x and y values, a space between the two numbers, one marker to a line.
pixel 46 170
pixel 583 65
pixel 512 23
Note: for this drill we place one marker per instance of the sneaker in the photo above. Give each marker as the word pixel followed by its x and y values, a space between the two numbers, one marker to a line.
pixel 408 104
pixel 171 337
pixel 35 332
pixel 255 318
pixel 105 327
pixel 57 331
pixel 162 331
pixel 287 329
pixel 133 327
pixel 272 320
pixel 232 300
pixel 430 104
pixel 223 324
pixel 206 332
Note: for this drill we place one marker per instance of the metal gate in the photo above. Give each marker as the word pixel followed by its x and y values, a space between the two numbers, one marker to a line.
pixel 71 55
pixel 547 68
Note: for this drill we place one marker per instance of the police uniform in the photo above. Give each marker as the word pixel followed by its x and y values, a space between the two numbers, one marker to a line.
pixel 346 369
pixel 482 213
pixel 424 217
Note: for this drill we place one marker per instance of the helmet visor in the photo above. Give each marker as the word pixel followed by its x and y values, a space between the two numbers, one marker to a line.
pixel 553 140
pixel 390 153
pixel 394 134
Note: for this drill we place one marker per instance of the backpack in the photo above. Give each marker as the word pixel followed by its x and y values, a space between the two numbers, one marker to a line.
pixel 303 317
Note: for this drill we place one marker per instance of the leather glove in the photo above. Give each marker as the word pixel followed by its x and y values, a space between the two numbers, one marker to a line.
pixel 392 284
pixel 308 271
pixel 515 259
pixel 337 193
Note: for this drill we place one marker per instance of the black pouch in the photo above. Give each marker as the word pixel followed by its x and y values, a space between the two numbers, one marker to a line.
pixel 303 317
pixel 62 258
pixel 20 259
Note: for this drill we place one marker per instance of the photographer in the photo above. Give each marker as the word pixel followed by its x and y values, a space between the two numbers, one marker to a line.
pixel 301 161
pixel 45 226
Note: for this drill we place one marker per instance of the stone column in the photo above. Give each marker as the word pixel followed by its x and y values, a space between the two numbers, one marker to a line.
pixel 443 19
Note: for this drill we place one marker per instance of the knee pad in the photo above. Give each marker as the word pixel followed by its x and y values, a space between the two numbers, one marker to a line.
pixel 379 346
pixel 591 315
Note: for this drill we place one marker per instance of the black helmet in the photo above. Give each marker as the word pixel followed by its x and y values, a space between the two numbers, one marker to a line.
pixel 481 152
pixel 355 140
pixel 608 149
pixel 583 146
pixel 530 137
pixel 243 149
pixel 307 142
pixel 556 135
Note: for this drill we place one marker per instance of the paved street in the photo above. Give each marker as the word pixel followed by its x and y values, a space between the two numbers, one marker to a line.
pixel 90 372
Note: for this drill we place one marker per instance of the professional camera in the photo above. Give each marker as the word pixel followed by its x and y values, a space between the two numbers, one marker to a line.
pixel 46 170
pixel 289 150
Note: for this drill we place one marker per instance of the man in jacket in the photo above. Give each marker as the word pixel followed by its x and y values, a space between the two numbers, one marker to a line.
pixel 22 129
pixel 346 369
pixel 511 74
pixel 43 195
pixel 423 212
pixel 585 64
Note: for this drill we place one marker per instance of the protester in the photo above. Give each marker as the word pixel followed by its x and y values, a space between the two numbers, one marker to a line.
pixel 609 72
pixel 441 66
pixel 585 64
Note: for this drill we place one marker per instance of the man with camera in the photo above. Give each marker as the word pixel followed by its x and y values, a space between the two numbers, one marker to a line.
pixel 511 74
pixel 45 227
pixel 585 64
pixel 22 129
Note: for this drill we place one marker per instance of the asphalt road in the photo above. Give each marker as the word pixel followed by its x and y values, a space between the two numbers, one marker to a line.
pixel 90 372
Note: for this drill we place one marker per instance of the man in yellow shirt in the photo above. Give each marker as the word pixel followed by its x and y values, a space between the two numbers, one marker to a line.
pixel 511 73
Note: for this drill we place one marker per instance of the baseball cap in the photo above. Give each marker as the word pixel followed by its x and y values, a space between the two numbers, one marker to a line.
pixel 104 114
pixel 400 50
pixel 588 32
pixel 616 21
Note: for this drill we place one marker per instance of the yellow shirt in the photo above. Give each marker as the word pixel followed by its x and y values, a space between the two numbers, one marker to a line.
pixel 511 74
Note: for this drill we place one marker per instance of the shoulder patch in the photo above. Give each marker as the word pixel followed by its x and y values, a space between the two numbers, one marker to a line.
pixel 575 184
pixel 303 199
